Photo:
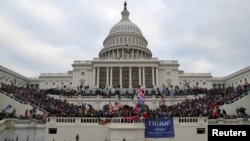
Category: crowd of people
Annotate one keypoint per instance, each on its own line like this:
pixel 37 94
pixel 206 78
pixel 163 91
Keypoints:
pixel 206 106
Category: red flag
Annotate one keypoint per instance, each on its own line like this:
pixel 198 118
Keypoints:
pixel 136 109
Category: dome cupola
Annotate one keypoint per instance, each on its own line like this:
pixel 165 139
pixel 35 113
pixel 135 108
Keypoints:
pixel 125 40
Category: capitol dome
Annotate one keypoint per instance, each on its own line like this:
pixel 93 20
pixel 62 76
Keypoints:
pixel 125 24
pixel 125 40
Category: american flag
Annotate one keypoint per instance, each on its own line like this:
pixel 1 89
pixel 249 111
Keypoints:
pixel 140 97
pixel 128 48
pixel 140 101
pixel 118 105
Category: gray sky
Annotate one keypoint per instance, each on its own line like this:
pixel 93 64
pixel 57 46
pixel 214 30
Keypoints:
pixel 46 36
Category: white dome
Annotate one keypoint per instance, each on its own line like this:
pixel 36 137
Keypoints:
pixel 125 24
pixel 122 34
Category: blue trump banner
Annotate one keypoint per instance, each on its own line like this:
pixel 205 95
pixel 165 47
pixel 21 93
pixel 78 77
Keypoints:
pixel 159 127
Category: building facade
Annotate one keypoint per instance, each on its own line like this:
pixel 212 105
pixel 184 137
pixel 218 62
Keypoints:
pixel 125 61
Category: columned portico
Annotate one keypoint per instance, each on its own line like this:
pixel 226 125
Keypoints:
pixel 119 67
pixel 125 61
pixel 125 42
pixel 125 77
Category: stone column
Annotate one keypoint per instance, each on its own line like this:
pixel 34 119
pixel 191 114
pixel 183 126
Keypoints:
pixel 123 53
pixel 121 77
pixel 107 76
pixel 130 78
pixel 94 77
pixel 143 77
pixel 97 83
pixel 153 77
pixel 111 77
pixel 132 53
pixel 157 77
pixel 140 76
pixel 116 54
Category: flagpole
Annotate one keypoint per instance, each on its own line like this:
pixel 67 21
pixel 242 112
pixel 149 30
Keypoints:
pixel 27 138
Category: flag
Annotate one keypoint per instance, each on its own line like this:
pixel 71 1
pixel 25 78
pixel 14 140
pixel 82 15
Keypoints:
pixel 128 48
pixel 47 97
pixel 118 105
pixel 172 95
pixel 140 97
pixel 140 92
pixel 140 101
pixel 85 106
pixel 186 84
pixel 111 109
pixel 7 107
pixel 135 109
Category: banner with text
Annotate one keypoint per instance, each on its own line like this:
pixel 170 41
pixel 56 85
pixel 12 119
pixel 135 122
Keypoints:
pixel 159 127
pixel 226 132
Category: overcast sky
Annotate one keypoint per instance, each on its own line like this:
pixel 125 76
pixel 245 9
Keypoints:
pixel 47 36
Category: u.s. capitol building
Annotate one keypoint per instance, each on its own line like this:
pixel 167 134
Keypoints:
pixel 124 62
